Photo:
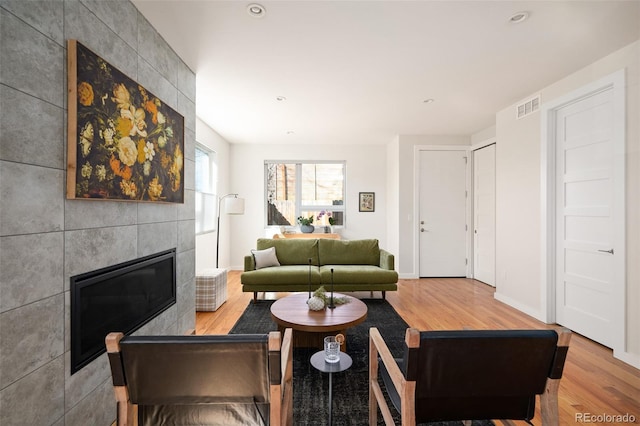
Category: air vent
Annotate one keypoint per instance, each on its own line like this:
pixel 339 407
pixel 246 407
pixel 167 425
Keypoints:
pixel 527 107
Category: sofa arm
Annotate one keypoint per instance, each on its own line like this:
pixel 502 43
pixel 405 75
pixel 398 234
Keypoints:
pixel 386 260
pixel 249 263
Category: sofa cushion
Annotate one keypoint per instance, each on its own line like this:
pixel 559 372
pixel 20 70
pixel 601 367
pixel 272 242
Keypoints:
pixel 265 258
pixel 356 274
pixel 292 251
pixel 349 252
pixel 288 274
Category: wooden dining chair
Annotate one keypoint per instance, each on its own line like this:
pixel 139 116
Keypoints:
pixel 468 375
pixel 203 380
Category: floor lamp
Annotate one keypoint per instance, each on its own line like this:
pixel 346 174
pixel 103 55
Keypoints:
pixel 233 205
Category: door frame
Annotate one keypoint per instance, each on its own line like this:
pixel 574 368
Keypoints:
pixel 615 82
pixel 416 203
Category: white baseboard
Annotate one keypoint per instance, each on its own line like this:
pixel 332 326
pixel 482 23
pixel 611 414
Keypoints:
pixel 519 306
pixel 627 357
pixel 406 276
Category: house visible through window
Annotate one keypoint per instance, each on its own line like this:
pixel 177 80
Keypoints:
pixel 307 189
pixel 206 189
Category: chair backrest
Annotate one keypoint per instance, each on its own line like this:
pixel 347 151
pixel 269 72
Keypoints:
pixel 186 379
pixel 476 374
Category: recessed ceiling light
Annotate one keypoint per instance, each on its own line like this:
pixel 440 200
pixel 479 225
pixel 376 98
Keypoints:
pixel 429 101
pixel 256 10
pixel 518 17
pixel 281 98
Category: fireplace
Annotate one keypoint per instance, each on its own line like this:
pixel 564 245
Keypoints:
pixel 122 297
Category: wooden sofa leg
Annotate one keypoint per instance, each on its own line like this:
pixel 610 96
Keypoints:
pixel 255 296
pixel 384 295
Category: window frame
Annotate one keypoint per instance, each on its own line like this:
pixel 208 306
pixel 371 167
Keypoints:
pixel 209 196
pixel 298 192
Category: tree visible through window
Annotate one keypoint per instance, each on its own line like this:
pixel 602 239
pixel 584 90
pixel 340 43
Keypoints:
pixel 305 189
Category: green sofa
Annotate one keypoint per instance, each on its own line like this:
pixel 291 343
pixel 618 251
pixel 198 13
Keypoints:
pixel 358 265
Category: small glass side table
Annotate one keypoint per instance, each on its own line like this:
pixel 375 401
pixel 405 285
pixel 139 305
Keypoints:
pixel 318 362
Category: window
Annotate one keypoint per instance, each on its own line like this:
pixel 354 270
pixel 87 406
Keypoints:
pixel 206 188
pixel 305 189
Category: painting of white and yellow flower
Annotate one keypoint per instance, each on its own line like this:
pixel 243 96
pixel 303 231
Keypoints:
pixel 124 143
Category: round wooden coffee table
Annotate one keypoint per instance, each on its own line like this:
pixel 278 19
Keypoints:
pixel 311 327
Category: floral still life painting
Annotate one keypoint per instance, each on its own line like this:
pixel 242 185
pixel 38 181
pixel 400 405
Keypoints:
pixel 124 143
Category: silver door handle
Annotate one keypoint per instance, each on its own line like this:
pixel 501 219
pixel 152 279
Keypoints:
pixel 610 251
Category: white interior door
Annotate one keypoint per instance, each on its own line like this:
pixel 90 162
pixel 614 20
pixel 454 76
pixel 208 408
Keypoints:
pixel 586 246
pixel 442 215
pixel 484 214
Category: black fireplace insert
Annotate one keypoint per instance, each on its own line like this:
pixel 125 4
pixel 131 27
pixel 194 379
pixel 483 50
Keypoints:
pixel 121 297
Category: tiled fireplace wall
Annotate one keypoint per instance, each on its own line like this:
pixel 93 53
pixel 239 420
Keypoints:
pixel 44 238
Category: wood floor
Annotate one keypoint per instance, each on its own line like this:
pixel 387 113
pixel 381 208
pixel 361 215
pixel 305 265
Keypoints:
pixel 594 383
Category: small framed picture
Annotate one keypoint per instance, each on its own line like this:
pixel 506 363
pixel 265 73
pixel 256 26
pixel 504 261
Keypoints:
pixel 367 201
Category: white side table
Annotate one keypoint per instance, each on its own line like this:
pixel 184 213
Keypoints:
pixel 211 289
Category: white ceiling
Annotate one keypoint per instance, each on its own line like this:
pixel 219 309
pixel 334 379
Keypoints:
pixel 357 72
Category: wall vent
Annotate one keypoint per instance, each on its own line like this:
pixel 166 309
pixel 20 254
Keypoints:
pixel 527 107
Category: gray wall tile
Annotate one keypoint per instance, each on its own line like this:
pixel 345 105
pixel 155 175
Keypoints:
pixel 46 126
pixel 124 23
pixel 32 268
pixel 157 212
pixel 187 108
pixel 37 399
pixel 189 174
pixel 186 265
pixel 158 85
pixel 31 199
pixel 187 210
pixel 189 144
pixel 83 214
pixel 156 237
pixel 186 297
pixel 85 381
pixel 186 235
pixel 99 408
pixel 153 48
pixel 186 82
pixel 186 322
pixel 90 249
pixel 30 337
pixel 82 25
pixel 162 324
pixel 31 62
pixel 44 16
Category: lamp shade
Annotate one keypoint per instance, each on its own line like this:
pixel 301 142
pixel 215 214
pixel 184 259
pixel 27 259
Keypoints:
pixel 234 205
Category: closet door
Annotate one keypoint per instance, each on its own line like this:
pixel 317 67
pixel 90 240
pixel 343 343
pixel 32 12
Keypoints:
pixel 484 214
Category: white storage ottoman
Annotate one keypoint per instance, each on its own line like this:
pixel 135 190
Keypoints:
pixel 211 289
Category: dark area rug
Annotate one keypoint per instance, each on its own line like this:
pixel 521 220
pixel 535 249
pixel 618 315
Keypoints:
pixel 350 388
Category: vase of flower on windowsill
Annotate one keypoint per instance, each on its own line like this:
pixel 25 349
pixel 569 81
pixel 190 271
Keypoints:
pixel 306 224
pixel 330 218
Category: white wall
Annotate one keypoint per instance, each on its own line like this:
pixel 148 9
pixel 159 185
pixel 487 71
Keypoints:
pixel 483 135
pixel 518 203
pixel 206 243
pixel 393 196
pixel 366 171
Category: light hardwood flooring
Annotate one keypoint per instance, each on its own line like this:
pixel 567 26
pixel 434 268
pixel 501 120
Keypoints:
pixel 594 383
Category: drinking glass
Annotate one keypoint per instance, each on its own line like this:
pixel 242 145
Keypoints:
pixel 331 349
